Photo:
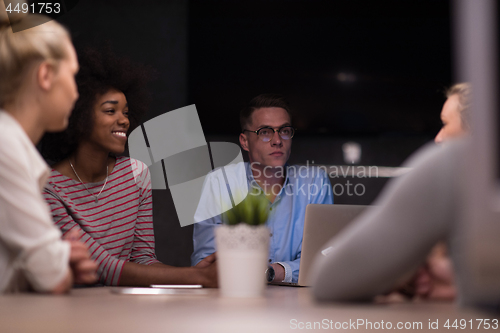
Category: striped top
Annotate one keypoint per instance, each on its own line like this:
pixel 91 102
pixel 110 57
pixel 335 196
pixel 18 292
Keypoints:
pixel 119 227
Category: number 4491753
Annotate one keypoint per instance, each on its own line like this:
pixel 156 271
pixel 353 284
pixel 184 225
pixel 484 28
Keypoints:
pixel 477 324
pixel 36 8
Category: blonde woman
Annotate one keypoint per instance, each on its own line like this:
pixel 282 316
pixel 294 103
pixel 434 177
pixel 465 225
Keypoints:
pixel 37 93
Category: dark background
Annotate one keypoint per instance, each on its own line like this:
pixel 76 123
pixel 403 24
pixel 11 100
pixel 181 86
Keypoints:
pixel 370 71
pixel 364 68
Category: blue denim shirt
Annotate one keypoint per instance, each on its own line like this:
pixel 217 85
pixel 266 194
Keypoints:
pixel 303 185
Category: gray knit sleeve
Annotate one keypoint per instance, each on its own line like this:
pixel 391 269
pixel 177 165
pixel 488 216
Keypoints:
pixel 393 237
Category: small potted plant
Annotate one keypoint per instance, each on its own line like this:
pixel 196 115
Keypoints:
pixel 243 246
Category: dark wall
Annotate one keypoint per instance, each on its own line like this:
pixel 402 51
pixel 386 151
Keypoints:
pixel 348 67
pixel 153 32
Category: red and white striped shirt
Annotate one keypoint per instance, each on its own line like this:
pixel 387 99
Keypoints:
pixel 119 227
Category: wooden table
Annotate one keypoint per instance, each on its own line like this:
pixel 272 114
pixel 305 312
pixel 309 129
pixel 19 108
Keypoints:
pixel 283 309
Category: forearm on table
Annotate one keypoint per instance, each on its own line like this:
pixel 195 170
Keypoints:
pixel 286 271
pixel 279 272
pixel 142 275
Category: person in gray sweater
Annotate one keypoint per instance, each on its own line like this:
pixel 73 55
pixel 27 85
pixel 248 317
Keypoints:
pixel 384 247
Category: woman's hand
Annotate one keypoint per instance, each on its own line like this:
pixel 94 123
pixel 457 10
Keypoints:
pixel 83 267
pixel 435 280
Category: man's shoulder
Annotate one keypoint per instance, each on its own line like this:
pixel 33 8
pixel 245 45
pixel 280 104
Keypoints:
pixel 232 172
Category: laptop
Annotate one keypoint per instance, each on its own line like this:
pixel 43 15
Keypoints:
pixel 321 223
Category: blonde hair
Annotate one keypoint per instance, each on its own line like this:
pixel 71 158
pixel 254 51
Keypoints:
pixel 463 90
pixel 41 40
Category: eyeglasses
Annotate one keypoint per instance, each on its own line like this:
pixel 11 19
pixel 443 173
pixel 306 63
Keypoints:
pixel 267 133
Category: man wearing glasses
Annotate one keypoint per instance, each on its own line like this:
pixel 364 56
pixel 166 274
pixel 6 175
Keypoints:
pixel 266 135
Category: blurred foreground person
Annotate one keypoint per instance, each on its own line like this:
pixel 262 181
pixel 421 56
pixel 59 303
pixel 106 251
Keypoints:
pixel 435 279
pixel 390 240
pixel 377 253
pixel 37 92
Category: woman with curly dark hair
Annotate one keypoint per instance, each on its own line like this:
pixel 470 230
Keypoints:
pixel 107 197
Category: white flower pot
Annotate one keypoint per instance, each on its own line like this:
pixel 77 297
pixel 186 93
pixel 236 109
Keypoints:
pixel 242 252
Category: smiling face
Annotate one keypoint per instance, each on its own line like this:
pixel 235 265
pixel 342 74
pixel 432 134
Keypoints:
pixel 452 122
pixel 111 122
pixel 274 153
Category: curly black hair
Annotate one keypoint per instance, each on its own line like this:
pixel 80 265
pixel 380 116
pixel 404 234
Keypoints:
pixel 100 71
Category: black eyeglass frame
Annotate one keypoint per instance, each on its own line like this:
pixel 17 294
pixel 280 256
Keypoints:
pixel 274 131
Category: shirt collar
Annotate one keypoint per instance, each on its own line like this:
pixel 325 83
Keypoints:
pixel 251 179
pixel 40 169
